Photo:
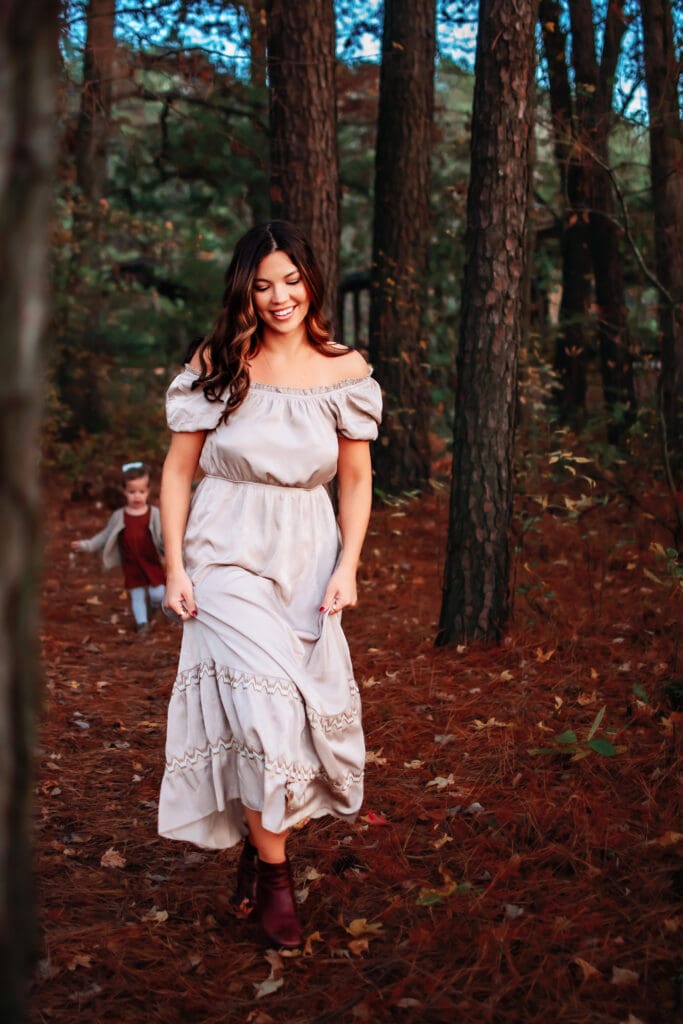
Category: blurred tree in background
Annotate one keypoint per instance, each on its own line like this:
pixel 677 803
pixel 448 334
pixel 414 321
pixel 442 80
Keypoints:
pixel 28 58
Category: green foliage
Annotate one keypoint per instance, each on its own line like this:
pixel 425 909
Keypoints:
pixel 140 276
pixel 567 742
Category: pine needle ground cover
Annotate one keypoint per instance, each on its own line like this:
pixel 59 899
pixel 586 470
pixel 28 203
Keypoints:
pixel 518 858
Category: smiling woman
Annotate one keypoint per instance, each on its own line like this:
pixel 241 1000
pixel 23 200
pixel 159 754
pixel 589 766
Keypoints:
pixel 280 295
pixel 264 728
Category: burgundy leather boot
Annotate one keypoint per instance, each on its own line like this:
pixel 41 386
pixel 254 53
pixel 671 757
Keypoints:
pixel 244 896
pixel 275 906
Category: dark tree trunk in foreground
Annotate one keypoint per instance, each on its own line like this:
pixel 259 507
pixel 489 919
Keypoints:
pixel 303 127
pixel 594 92
pixel 666 161
pixel 28 51
pixel 476 581
pixel 573 341
pixel 92 133
pixel 398 348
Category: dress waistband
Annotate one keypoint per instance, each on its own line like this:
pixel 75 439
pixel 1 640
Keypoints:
pixel 265 483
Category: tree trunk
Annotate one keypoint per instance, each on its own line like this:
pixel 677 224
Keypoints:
pixel 666 161
pixel 398 347
pixel 573 344
pixel 92 133
pixel 594 91
pixel 28 59
pixel 476 581
pixel 303 127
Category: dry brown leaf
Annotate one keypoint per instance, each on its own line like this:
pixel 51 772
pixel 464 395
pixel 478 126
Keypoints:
pixel 79 960
pixel 112 859
pixel 622 976
pixel 358 946
pixel 587 970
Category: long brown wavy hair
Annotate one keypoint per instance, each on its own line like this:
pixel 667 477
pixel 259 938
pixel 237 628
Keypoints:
pixel 225 353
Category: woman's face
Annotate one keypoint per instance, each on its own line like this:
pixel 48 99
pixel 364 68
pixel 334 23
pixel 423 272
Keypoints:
pixel 280 297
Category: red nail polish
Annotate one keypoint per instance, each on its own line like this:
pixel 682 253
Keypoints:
pixel 321 608
pixel 194 613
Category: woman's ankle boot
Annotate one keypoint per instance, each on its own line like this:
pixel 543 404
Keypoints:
pixel 275 906
pixel 244 895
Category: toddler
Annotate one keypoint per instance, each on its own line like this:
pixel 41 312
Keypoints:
pixel 132 539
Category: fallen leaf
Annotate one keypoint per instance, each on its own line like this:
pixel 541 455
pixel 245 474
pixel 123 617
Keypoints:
pixel 506 676
pixel 371 681
pixel 413 764
pixel 375 819
pixel 358 946
pixel 622 976
pixel 667 839
pixel 491 723
pixel 587 970
pixel 312 875
pixel 112 859
pixel 442 842
pixel 542 655
pixel 374 757
pixel 79 960
pixel 558 703
pixel 584 699
pixel 441 782
pixel 443 739
pixel 360 926
pixel 308 946
pixel 158 916
pixel 512 911
pixel 267 987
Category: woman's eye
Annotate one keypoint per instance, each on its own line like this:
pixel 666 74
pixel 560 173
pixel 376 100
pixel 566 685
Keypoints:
pixel 297 281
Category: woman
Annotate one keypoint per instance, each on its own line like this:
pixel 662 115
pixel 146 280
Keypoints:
pixel 264 727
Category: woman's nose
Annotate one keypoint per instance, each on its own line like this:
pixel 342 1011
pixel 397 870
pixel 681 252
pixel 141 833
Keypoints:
pixel 280 291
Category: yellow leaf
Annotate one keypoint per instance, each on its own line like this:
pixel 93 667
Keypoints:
pixel 308 946
pixel 360 926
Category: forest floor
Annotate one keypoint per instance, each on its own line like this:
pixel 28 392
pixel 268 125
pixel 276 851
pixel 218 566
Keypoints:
pixel 505 867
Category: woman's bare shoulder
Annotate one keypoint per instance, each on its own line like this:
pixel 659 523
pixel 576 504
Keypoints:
pixel 350 363
pixel 201 355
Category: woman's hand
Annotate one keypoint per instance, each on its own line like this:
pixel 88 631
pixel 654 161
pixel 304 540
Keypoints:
pixel 341 591
pixel 179 597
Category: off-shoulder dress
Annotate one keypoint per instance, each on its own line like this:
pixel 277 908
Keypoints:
pixel 264 711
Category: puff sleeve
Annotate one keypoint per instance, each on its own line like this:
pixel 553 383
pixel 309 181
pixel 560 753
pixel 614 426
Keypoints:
pixel 358 409
pixel 188 410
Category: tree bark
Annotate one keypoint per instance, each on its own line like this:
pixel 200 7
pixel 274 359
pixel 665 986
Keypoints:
pixel 92 132
pixel 398 347
pixel 28 59
pixel 303 128
pixel 476 581
pixel 594 91
pixel 666 161
pixel 573 342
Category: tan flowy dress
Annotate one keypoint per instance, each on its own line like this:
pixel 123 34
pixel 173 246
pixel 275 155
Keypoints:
pixel 264 711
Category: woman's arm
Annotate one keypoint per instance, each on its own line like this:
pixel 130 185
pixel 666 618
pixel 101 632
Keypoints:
pixel 176 486
pixel 354 487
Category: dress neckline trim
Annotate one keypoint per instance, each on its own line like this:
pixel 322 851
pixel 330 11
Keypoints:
pixel 320 389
